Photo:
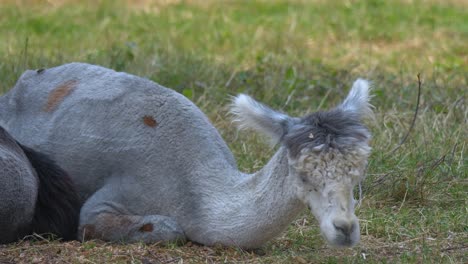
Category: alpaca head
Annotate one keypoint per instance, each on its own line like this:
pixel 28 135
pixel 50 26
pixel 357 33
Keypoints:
pixel 327 154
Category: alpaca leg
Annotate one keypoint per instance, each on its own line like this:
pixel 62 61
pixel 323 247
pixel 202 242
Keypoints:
pixel 103 217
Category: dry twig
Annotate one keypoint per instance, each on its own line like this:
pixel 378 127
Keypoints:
pixel 403 140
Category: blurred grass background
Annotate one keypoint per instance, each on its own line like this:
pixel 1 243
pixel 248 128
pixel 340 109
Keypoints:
pixel 298 57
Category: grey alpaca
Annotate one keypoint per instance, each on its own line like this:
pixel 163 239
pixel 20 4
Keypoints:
pixel 151 167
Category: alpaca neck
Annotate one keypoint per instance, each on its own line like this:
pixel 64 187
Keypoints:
pixel 257 207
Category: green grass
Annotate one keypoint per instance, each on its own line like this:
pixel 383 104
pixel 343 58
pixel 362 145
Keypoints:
pixel 297 56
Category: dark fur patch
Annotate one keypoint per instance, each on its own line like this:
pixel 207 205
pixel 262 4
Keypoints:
pixel 335 129
pixel 58 94
pixel 150 121
pixel 58 206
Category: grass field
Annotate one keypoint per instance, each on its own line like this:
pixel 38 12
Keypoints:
pixel 296 56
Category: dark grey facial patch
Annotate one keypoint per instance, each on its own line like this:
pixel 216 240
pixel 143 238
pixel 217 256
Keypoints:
pixel 333 129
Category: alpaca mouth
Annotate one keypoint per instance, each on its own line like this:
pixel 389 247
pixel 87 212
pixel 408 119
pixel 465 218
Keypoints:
pixel 339 238
pixel 344 241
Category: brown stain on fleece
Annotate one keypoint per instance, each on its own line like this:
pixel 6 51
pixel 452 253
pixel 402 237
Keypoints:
pixel 57 95
pixel 106 225
pixel 146 228
pixel 150 121
pixel 88 232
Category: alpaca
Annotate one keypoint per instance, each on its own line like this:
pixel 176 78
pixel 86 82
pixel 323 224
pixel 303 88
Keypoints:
pixel 149 166
pixel 36 195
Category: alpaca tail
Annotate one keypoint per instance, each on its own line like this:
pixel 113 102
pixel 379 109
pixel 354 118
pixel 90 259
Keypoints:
pixel 58 205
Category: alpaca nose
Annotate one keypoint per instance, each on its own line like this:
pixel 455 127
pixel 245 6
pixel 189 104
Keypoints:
pixel 344 226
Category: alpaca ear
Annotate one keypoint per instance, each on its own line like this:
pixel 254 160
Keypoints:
pixel 358 98
pixel 249 113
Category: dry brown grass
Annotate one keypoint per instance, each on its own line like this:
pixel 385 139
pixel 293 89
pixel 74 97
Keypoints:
pixel 372 248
